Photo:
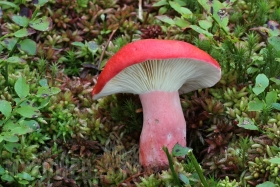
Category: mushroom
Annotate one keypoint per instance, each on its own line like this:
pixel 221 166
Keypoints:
pixel 158 70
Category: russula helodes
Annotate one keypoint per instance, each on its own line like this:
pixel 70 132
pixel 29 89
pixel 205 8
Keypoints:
pixel 158 70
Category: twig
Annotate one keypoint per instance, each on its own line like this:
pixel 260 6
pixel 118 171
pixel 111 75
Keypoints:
pixel 103 52
pixel 198 169
pixel 140 10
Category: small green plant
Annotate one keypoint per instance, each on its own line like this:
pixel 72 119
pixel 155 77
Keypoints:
pixel 72 59
pixel 24 25
pixel 149 181
pixel 82 3
pixel 266 101
pixel 87 49
pixel 244 144
pixel 20 117
pixel 22 178
pixel 216 21
pixel 228 183
pixel 275 160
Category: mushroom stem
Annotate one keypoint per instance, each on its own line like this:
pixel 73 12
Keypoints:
pixel 164 125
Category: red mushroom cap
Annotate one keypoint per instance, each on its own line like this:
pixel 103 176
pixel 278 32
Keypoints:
pixel 154 49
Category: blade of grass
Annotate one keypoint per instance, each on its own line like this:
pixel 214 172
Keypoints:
pixel 197 168
pixel 174 174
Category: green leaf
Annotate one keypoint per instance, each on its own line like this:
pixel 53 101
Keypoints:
pixel 247 123
pixel 9 43
pixel 276 106
pixel 20 20
pixel 22 129
pixel 181 2
pixel 21 88
pixel 7 177
pixel 201 31
pixel 28 111
pixel 44 103
pixel 2 170
pixel 41 24
pixel 249 127
pixel 5 108
pixel 274 41
pixel 43 82
pixel 256 105
pixel 24 32
pixel 25 176
pixel 266 184
pixel 24 182
pixel 83 3
pixel 181 22
pixel 165 19
pixel 274 160
pixel 31 124
pixel 160 3
pixel 204 24
pixel 9 4
pixel 184 178
pixel 275 31
pixel 271 97
pixel 1 48
pixel 181 10
pixel 178 150
pixel 10 124
pixel 275 80
pixel 162 10
pixel 261 84
pixel 12 138
pixel 205 4
pixel 28 46
pixel 79 44
pixel 252 70
pixel 12 147
pixel 15 59
pixel 9 137
pixel 47 91
pixel 105 31
pixel 220 14
pixel 92 46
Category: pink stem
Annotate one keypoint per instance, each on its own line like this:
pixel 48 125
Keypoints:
pixel 164 125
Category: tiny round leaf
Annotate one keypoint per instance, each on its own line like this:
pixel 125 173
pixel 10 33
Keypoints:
pixel 28 46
